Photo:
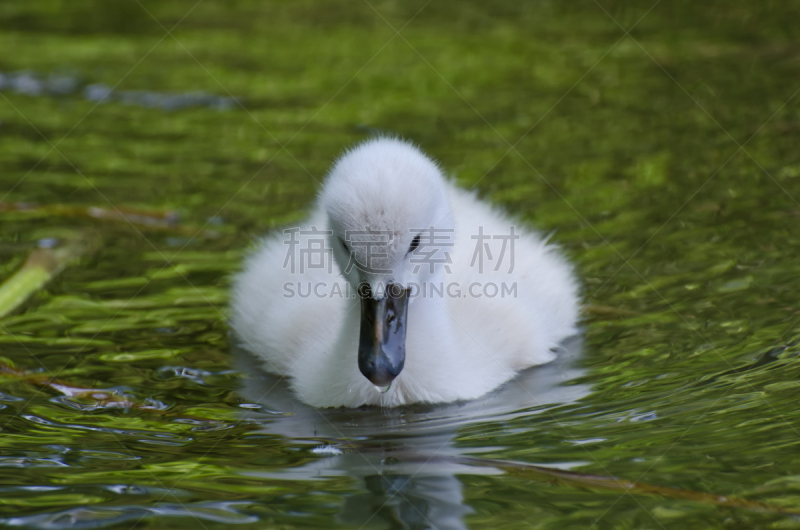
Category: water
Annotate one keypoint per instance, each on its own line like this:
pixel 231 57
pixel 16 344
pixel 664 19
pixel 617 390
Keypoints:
pixel 684 378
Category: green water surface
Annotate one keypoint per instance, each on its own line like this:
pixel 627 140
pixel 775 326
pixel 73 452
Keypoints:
pixel 659 140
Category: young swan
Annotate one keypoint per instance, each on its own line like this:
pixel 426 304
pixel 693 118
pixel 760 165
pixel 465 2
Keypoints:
pixel 401 288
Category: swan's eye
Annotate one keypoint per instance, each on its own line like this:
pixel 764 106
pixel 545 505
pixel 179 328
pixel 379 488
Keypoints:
pixel 344 246
pixel 414 244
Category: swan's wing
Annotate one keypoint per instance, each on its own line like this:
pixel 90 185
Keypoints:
pixel 527 302
pixel 289 297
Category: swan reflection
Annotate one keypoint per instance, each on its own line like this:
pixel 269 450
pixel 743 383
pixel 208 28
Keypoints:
pixel 405 461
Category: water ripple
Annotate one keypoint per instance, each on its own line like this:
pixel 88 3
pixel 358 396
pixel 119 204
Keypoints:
pixel 97 517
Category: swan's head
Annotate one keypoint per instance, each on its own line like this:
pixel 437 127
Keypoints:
pixel 392 231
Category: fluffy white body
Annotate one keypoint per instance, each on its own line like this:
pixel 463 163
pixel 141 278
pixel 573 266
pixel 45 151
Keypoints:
pixel 462 339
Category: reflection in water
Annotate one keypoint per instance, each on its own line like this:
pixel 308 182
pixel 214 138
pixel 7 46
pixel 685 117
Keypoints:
pixel 62 84
pixel 403 459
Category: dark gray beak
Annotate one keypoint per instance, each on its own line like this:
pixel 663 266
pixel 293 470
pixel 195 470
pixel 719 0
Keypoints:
pixel 382 342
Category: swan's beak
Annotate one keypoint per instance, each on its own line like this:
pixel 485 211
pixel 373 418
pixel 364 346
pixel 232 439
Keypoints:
pixel 382 343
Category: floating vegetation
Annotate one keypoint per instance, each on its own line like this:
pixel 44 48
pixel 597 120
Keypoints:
pixel 168 221
pixel 43 265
